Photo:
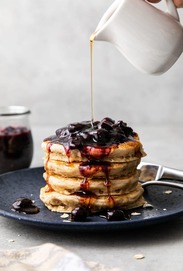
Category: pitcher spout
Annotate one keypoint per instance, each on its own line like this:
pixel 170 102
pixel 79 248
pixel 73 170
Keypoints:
pixel 104 27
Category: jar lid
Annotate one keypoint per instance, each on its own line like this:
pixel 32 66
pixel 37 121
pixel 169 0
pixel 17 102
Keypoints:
pixel 13 110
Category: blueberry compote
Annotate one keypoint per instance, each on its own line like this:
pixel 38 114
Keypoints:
pixel 25 205
pixel 101 134
pixel 81 214
pixel 16 148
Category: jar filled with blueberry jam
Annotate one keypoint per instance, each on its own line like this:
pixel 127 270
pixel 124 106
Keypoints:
pixel 16 143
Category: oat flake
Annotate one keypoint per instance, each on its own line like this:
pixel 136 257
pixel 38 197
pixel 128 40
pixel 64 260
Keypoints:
pixel 64 215
pixel 135 213
pixel 139 256
pixel 147 205
pixel 11 241
pixel 168 192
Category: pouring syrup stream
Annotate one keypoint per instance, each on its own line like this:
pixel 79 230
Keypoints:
pixel 91 76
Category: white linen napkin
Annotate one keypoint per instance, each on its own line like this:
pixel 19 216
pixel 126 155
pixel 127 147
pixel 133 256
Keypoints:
pixel 47 257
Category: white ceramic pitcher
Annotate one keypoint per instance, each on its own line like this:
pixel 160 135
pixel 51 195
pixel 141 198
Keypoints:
pixel 151 39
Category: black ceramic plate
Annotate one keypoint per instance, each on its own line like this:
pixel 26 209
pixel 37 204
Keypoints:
pixel 27 183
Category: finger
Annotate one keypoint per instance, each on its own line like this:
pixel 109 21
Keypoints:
pixel 154 1
pixel 178 3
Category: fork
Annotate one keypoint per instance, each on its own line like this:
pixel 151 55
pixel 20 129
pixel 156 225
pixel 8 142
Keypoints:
pixel 154 172
pixel 171 184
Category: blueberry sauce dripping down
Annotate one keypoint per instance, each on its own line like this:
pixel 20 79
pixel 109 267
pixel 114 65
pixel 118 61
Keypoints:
pixel 89 168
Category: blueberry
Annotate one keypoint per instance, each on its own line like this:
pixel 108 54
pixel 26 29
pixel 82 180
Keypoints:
pixel 121 126
pixel 119 137
pixel 63 132
pixel 94 136
pixel 115 215
pixel 75 127
pixel 128 131
pixel 79 214
pixel 107 123
pixel 121 123
pixel 76 141
pixel 25 202
pixel 87 137
pixel 96 124
pixel 78 126
pixel 103 135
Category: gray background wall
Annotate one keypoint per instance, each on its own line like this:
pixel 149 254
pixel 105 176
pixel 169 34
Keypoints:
pixel 45 65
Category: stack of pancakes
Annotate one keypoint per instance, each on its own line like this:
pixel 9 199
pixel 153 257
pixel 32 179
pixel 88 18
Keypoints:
pixel 92 165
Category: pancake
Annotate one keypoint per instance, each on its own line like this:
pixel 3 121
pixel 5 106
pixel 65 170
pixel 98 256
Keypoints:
pixel 67 186
pixel 90 169
pixel 92 165
pixel 124 152
pixel 66 203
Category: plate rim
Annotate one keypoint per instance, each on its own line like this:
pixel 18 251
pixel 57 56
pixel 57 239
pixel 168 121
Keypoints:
pixel 88 225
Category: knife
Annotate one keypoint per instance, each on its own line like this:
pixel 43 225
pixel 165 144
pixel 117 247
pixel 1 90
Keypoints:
pixel 154 172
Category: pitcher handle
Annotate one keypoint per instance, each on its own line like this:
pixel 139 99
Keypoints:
pixel 172 10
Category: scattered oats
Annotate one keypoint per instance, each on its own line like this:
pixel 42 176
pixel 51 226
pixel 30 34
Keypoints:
pixel 103 216
pixel 148 205
pixel 168 192
pixel 135 213
pixel 139 256
pixel 64 215
pixel 65 220
pixel 11 240
pixel 100 267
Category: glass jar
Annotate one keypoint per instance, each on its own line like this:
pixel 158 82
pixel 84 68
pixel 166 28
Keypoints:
pixel 16 143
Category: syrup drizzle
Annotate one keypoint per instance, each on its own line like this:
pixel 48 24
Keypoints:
pixel 85 184
pixel 88 170
pixel 103 152
pixel 91 76
pixel 49 188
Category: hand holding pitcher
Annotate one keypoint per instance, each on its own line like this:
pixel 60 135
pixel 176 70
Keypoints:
pixel 178 3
